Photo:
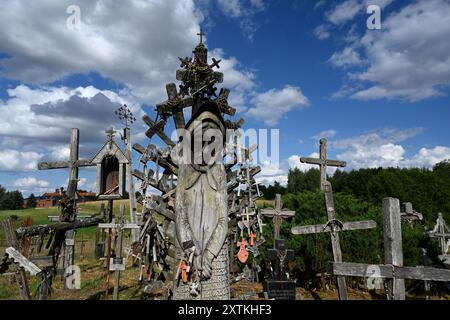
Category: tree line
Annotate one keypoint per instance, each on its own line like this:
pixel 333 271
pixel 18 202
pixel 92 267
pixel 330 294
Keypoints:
pixel 358 195
pixel 13 200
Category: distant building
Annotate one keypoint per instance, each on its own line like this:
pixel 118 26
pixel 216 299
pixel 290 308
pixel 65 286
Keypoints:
pixel 51 199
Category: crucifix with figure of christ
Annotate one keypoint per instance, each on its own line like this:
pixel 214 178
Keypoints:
pixel 333 226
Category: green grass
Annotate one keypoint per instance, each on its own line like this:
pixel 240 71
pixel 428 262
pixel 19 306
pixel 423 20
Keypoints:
pixel 40 215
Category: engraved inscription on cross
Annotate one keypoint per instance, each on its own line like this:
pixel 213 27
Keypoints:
pixel 278 215
pixel 323 162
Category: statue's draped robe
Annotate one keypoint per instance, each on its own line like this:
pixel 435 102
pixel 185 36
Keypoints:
pixel 201 216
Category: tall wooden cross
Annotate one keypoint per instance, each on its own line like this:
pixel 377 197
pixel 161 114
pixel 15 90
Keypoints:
pixel 392 268
pixel 334 226
pixel 323 162
pixel 118 261
pixel 278 215
pixel 73 164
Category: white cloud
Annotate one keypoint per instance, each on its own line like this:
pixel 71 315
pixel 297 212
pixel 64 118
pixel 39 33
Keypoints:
pixel 29 182
pixel 13 160
pixel 383 149
pixel 243 11
pixel 347 10
pixel 326 134
pixel 344 11
pixel 271 172
pixel 272 105
pixel 346 58
pixel 134 52
pixel 409 59
pixel 322 32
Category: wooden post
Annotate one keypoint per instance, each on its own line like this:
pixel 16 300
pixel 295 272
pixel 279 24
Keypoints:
pixel 131 192
pixel 20 275
pixel 335 239
pixel 119 251
pixel 393 253
pixel 69 244
pixel 108 249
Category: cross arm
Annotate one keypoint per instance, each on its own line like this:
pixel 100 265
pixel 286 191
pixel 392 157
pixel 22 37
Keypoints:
pixel 331 163
pixel 389 271
pixel 63 164
pixel 282 213
pixel 346 226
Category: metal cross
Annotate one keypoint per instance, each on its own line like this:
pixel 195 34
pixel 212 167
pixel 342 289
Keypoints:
pixel 125 115
pixel 323 162
pixel 201 34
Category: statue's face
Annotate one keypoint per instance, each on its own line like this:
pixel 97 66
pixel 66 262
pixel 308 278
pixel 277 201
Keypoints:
pixel 207 146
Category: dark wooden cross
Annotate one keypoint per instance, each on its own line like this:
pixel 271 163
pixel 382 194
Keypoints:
pixel 280 256
pixel 334 226
pixel 323 162
pixel 174 106
pixel 73 164
pixel 157 128
pixel 392 268
pixel 278 215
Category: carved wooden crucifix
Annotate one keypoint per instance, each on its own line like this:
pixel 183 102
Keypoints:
pixel 68 214
pixel 323 162
pixel 174 106
pixel 278 215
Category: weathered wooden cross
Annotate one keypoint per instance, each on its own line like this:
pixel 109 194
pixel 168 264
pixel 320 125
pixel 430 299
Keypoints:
pixel 118 261
pixel 73 164
pixel 323 162
pixel 333 226
pixel 393 267
pixel 278 215
pixel 442 232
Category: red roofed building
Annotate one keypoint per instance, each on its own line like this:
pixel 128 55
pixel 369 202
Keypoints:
pixel 51 199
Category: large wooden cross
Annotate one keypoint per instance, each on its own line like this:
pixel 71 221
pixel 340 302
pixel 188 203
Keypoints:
pixel 323 162
pixel 72 164
pixel 278 215
pixel 118 261
pixel 392 268
pixel 334 226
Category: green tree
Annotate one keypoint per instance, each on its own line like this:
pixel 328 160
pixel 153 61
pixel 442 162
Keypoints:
pixel 32 201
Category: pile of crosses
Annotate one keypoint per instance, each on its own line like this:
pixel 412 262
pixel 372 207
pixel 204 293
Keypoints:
pixel 155 248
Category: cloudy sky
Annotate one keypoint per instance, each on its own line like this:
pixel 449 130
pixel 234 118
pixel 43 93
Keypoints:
pixel 309 68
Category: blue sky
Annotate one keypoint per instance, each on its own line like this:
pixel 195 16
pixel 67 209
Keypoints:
pixel 311 69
